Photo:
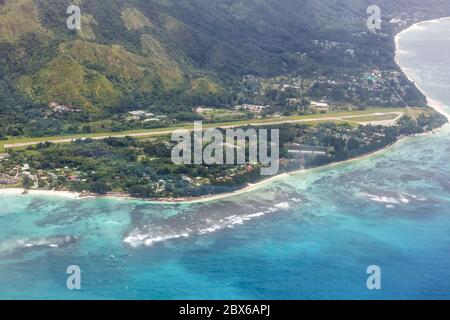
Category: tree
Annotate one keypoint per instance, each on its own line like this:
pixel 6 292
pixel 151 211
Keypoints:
pixel 100 187
pixel 27 182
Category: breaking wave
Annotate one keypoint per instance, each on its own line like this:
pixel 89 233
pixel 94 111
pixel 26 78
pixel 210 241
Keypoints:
pixel 185 226
pixel 393 199
pixel 11 246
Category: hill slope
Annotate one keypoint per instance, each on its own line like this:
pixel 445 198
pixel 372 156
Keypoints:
pixel 166 53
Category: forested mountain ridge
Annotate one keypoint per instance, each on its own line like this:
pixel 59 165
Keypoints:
pixel 172 55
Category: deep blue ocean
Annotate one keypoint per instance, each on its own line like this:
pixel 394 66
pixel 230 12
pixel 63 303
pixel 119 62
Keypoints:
pixel 307 236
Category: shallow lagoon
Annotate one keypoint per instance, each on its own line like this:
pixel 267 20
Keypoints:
pixel 311 235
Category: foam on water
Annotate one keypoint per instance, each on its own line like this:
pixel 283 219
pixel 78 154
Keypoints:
pixel 148 234
pixel 309 236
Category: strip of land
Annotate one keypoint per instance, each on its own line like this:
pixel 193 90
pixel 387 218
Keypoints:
pixel 17 191
pixel 384 117
pixel 380 116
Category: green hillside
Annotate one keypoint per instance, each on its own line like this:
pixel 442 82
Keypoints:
pixel 172 55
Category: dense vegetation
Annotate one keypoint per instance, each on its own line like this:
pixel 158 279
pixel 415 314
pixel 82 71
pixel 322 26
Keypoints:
pixel 144 168
pixel 168 56
pixel 163 59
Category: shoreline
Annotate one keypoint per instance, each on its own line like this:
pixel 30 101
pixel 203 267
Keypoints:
pixel 202 199
pixel 436 105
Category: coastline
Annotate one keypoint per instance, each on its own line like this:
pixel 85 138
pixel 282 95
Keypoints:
pixel 208 198
pixel 22 192
pixel 437 105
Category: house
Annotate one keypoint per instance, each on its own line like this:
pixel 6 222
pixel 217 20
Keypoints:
pixel 7 180
pixel 201 110
pixel 320 105
pixel 59 108
pixel 294 101
pixel 251 108
pixel 297 151
pixel 140 115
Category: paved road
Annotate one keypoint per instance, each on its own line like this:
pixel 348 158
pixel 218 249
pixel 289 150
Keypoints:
pixel 167 132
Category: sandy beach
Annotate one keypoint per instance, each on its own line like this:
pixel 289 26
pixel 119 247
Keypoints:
pixel 437 105
pixel 208 198
pixel 52 193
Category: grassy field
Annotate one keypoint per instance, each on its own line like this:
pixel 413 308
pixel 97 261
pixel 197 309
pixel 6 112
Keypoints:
pixel 337 117
pixel 11 186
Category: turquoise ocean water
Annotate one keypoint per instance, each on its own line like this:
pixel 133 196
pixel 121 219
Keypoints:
pixel 307 236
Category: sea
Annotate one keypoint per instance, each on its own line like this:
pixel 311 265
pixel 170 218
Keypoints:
pixel 306 236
